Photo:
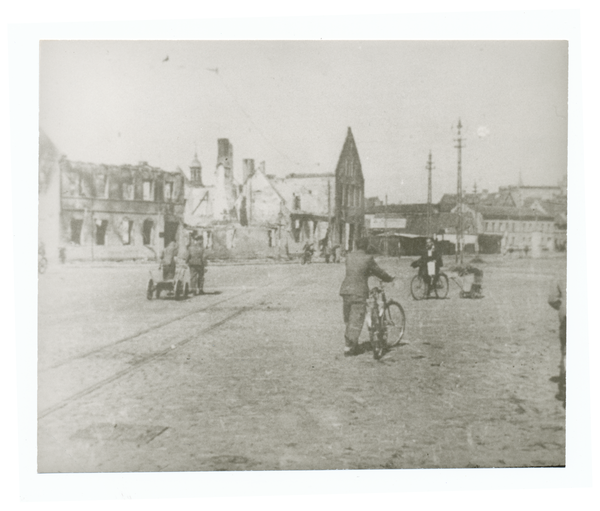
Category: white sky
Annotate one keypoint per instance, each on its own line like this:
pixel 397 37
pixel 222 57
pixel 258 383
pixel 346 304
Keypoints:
pixel 290 104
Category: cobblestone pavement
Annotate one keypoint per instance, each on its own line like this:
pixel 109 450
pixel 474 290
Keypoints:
pixel 251 376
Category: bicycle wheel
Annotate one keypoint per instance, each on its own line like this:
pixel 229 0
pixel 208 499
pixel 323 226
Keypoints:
pixel 418 288
pixel 378 342
pixel 441 286
pixel 394 323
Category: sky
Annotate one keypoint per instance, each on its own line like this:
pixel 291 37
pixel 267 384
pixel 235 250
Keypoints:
pixel 290 103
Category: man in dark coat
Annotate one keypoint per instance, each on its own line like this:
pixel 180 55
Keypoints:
pixel 196 260
pixel 167 261
pixel 429 264
pixel 355 291
pixel 557 299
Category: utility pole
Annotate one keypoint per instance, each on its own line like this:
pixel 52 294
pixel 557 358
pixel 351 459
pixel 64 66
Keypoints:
pixel 385 239
pixel 459 198
pixel 429 168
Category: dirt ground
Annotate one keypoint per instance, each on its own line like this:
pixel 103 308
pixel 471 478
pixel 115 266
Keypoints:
pixel 251 376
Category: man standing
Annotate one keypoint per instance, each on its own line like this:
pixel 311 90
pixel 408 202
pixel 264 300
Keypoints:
pixel 355 291
pixel 196 260
pixel 557 299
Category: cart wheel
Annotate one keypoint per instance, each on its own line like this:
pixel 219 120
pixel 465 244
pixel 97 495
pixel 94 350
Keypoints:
pixel 150 289
pixel 186 291
pixel 178 290
pixel 158 290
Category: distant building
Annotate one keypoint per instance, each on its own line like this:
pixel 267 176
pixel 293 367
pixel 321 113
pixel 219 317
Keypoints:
pixel 400 229
pixel 349 211
pixel 310 200
pixel 107 211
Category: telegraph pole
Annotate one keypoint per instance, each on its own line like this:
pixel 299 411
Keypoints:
pixel 385 233
pixel 459 198
pixel 429 168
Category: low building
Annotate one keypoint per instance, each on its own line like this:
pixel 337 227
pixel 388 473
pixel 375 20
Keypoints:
pixel 517 229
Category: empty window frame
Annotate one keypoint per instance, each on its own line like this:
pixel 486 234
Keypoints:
pixel 147 228
pixel 101 226
pixel 76 226
pixel 169 191
pixel 147 190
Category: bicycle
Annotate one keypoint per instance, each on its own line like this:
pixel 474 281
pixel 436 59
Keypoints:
pixel 386 321
pixel 421 286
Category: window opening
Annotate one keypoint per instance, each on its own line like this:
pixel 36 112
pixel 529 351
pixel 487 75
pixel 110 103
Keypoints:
pixel 76 226
pixel 147 231
pixel 101 226
pixel 146 187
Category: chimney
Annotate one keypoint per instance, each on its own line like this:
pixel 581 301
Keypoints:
pixel 225 156
pixel 248 169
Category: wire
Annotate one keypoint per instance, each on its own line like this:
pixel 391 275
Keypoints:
pixel 269 141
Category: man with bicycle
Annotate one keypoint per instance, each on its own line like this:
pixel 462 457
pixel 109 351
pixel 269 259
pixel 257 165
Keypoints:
pixel 355 291
pixel 429 264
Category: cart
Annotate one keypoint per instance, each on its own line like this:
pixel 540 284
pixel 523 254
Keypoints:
pixel 178 287
pixel 470 281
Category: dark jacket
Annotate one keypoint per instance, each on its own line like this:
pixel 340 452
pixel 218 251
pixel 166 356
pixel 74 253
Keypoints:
pixel 196 256
pixel 557 298
pixel 359 267
pixel 425 258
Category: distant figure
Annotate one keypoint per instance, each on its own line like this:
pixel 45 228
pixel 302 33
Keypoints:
pixel 167 261
pixel 327 252
pixel 337 253
pixel 307 252
pixel 355 291
pixel 526 250
pixel 557 298
pixel 196 260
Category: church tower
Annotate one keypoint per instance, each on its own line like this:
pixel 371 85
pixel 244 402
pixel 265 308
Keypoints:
pixel 196 172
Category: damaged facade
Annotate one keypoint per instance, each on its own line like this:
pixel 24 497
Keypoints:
pixel 107 211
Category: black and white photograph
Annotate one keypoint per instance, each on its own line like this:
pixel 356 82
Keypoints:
pixel 300 260
pixel 302 255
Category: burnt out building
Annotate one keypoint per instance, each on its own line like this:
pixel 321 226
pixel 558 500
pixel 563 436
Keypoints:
pixel 94 211
pixel 349 214
pixel 119 211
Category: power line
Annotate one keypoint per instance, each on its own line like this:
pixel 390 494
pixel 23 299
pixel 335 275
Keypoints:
pixel 260 132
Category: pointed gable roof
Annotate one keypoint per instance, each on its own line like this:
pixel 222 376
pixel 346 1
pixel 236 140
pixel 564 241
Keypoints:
pixel 349 167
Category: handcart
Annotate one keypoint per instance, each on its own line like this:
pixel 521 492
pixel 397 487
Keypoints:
pixel 470 281
pixel 178 287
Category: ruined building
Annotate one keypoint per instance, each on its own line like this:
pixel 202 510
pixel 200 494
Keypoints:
pixel 310 199
pixel 210 201
pixel 94 211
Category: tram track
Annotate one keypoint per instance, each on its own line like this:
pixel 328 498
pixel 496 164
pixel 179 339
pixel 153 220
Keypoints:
pixel 145 331
pixel 142 361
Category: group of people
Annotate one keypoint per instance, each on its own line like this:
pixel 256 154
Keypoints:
pixel 329 253
pixel 193 256
pixel 360 265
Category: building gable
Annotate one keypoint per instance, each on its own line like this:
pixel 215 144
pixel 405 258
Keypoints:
pixel 349 168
